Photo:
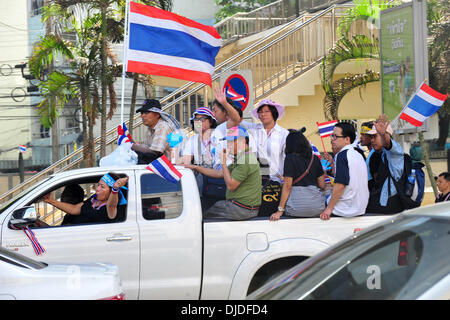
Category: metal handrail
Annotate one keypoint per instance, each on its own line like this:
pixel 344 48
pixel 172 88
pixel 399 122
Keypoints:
pixel 266 79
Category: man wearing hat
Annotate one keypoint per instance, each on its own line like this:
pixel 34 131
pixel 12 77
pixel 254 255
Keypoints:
pixel 388 155
pixel 366 141
pixel 155 142
pixel 242 179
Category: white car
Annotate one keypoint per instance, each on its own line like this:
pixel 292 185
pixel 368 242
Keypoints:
pixel 404 258
pixel 22 278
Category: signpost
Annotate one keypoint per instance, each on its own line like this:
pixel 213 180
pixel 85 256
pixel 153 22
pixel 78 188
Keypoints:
pixel 403 56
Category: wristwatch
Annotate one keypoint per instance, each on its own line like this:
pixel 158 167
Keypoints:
pixel 281 209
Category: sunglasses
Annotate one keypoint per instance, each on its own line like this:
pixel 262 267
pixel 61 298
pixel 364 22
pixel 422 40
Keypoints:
pixel 335 136
pixel 202 119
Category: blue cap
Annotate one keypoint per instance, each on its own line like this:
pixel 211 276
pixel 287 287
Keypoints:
pixel 234 133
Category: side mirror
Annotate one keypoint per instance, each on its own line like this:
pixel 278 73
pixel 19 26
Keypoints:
pixel 23 217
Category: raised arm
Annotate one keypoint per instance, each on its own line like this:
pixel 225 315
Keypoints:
pixel 113 199
pixel 73 209
pixel 233 116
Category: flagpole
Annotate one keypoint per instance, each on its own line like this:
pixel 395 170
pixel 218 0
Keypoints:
pixel 321 138
pixel 124 59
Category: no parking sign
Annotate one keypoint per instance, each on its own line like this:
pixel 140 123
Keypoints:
pixel 238 86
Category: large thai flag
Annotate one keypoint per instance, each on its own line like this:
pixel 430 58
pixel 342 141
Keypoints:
pixel 163 43
pixel 165 169
pixel 326 128
pixel 425 102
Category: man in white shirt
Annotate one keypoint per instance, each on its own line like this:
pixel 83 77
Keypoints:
pixel 350 193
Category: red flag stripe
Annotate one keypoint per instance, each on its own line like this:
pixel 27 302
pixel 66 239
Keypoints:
pixel 166 15
pixel 411 120
pixel 433 92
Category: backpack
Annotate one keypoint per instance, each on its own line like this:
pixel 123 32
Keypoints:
pixel 411 185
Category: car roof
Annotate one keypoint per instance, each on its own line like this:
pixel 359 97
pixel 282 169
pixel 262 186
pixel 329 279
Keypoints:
pixel 439 209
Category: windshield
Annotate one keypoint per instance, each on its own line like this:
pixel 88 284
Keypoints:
pixel 399 260
pixel 19 260
pixel 16 198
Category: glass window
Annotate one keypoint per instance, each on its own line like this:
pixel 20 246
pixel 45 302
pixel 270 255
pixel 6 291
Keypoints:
pixel 74 192
pixel 400 260
pixel 161 199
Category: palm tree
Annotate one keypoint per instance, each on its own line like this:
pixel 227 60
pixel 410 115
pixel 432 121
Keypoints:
pixel 359 47
pixel 81 81
pixel 354 48
pixel 439 60
pixel 90 68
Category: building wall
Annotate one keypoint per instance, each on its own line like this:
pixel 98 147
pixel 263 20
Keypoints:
pixel 16 118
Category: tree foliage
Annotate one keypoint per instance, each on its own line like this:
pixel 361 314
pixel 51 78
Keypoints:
pixel 231 7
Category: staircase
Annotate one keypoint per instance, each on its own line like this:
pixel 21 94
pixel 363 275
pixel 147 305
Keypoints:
pixel 276 59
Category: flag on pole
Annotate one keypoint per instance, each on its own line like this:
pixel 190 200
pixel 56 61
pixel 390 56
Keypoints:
pixel 425 102
pixel 22 148
pixel 326 128
pixel 123 134
pixel 315 151
pixel 165 169
pixel 163 43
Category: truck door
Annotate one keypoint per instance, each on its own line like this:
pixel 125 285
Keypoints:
pixel 116 243
pixel 170 219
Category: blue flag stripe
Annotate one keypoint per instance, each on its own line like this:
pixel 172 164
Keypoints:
pixel 163 171
pixel 423 107
pixel 170 42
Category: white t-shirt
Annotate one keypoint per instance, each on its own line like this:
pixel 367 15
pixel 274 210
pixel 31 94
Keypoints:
pixel 351 171
pixel 271 147
pixel 205 156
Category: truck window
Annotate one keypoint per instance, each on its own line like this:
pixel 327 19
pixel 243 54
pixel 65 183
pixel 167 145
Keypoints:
pixel 74 191
pixel 161 199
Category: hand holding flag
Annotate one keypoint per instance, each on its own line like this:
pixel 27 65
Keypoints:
pixel 123 134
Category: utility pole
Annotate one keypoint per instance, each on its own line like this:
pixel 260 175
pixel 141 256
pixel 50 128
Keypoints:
pixel 55 127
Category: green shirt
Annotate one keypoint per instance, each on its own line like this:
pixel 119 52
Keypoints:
pixel 246 171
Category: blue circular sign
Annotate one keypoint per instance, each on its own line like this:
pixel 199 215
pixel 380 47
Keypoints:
pixel 236 88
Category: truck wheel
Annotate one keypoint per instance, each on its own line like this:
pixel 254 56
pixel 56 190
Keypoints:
pixel 271 270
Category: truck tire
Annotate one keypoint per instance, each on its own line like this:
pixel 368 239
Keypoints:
pixel 271 270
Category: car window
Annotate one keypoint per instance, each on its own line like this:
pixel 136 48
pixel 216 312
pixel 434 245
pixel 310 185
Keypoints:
pixel 16 198
pixel 399 261
pixel 72 191
pixel 52 216
pixel 160 198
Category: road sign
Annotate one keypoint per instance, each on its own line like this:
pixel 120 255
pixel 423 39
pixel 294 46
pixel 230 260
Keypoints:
pixel 238 86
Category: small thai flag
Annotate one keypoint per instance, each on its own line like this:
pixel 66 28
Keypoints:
pixel 165 169
pixel 22 148
pixel 315 151
pixel 166 44
pixel 425 102
pixel 123 134
pixel 326 128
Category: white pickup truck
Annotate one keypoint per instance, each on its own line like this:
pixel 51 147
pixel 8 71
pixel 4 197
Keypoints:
pixel 163 247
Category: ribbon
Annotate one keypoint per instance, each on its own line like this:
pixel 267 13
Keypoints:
pixel 110 182
pixel 38 249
